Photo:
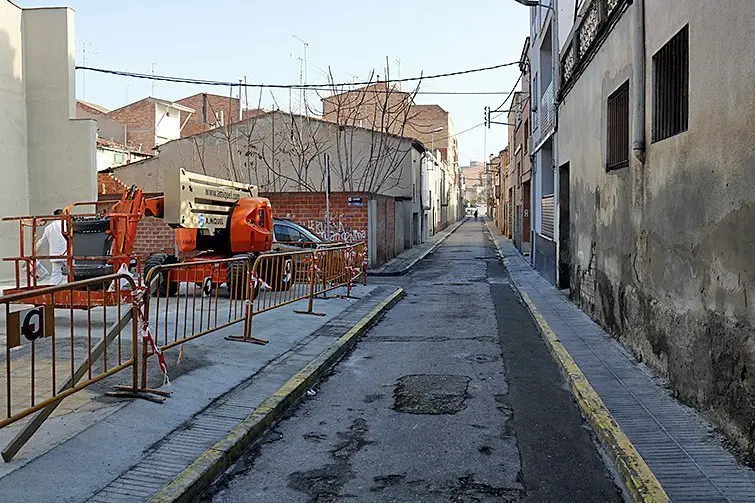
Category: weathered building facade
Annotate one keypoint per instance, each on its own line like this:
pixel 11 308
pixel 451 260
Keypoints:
pixel 656 130
pixel 520 169
pixel 543 90
pixel 150 122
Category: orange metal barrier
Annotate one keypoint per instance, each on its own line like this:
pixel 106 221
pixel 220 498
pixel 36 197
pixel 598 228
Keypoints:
pixel 56 347
pixel 53 352
pixel 192 299
pixel 280 279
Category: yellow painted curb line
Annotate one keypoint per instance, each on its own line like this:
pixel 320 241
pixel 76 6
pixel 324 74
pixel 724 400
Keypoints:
pixel 200 474
pixel 637 476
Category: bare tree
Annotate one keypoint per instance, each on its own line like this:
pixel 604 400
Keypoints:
pixel 364 130
pixel 385 111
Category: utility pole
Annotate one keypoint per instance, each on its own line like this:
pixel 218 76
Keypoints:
pixel 246 96
pixel 240 114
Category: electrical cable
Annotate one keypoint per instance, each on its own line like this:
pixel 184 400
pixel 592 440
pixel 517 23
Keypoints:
pixel 390 91
pixel 508 96
pixel 183 80
pixel 500 113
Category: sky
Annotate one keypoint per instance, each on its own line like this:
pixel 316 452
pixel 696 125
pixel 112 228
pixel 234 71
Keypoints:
pixel 228 40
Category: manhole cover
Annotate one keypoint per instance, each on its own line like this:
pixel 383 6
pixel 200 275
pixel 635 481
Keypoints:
pixel 431 394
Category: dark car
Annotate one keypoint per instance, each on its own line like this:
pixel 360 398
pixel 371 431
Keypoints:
pixel 290 236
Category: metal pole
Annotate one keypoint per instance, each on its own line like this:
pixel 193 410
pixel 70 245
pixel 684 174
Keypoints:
pixel 327 196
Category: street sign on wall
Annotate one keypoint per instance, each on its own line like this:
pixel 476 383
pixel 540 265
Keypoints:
pixel 355 202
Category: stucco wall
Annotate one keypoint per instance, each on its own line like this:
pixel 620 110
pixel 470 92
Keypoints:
pixel 13 200
pixel 663 254
pixel 251 148
pixel 61 151
pixel 47 159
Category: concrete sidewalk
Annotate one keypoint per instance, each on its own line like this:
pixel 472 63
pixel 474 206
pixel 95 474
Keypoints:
pixel 684 453
pixel 408 259
pixel 130 450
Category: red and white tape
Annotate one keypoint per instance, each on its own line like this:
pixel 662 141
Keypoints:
pixel 146 333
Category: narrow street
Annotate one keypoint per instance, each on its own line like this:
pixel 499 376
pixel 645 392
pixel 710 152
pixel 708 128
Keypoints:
pixel 451 397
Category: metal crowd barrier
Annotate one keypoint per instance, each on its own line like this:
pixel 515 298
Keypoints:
pixel 193 299
pixel 52 352
pixel 177 303
pixel 283 278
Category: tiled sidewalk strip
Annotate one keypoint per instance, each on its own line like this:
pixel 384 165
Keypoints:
pixel 676 444
pixel 408 259
pixel 186 462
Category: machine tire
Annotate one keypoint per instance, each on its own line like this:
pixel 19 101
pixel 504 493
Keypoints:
pixel 164 288
pixel 235 280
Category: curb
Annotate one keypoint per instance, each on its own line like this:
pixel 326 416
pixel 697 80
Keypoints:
pixel 199 475
pixel 406 269
pixel 637 476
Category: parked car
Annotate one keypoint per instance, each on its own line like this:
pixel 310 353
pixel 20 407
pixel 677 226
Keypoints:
pixel 290 236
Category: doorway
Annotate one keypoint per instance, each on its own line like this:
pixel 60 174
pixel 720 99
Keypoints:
pixel 526 201
pixel 564 259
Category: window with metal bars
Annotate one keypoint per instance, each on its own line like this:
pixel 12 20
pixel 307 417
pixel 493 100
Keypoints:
pixel 671 87
pixel 618 129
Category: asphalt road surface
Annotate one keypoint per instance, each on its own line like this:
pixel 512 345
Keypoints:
pixel 452 397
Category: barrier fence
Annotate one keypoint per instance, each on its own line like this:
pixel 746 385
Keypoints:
pixel 176 304
pixel 52 353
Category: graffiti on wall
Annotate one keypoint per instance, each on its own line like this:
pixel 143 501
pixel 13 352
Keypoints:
pixel 339 231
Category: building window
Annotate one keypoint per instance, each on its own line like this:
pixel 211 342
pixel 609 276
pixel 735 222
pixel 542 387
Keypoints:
pixel 671 87
pixel 618 128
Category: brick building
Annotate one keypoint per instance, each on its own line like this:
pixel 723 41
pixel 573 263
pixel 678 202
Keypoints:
pixel 151 122
pixel 213 110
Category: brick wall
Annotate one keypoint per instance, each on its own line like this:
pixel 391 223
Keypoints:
pixel 109 185
pixel 199 122
pixel 139 118
pixel 347 223
pixel 83 110
pixel 153 236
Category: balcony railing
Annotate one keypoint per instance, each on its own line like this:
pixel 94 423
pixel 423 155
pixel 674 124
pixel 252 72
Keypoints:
pixel 596 20
pixel 547 110
pixel 544 118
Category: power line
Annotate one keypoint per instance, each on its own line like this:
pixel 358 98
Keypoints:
pixel 389 91
pixel 501 112
pixel 508 96
pixel 184 80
